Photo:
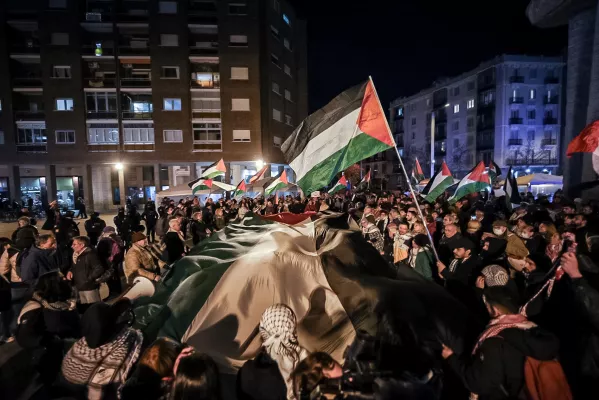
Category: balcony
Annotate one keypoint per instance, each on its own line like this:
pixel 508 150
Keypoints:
pixel 99 82
pixel 485 142
pixel 549 142
pixel 136 115
pixel 202 12
pixel 136 83
pixel 203 48
pixel 28 115
pixel 516 79
pixel 28 82
pixel 515 121
pixel 551 80
pixel 531 161
pixel 135 50
pixel 514 142
pixel 134 11
pixel 549 121
pixel 32 148
pixel 516 100
pixel 551 100
pixel 92 50
pixel 102 114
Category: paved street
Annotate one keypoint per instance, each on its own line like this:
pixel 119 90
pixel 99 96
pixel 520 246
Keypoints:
pixel 6 229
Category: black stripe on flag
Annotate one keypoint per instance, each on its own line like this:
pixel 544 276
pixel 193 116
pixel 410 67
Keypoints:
pixel 321 120
pixel 512 196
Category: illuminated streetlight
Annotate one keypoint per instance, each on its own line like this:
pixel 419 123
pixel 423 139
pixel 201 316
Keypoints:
pixel 259 164
pixel 118 166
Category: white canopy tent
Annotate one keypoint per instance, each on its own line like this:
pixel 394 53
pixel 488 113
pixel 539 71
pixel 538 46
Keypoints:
pixel 181 191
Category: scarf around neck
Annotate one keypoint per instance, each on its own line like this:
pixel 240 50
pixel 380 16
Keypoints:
pixel 502 322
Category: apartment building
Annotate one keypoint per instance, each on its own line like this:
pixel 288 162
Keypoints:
pixel 117 99
pixel 508 110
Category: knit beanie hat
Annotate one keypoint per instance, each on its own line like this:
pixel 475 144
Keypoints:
pixel 495 275
pixel 421 240
pixel 137 236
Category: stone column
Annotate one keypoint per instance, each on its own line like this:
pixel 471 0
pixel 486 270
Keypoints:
pixel 236 174
pixel 14 182
pixel 157 182
pixel 88 188
pixel 51 182
pixel 193 173
pixel 172 179
pixel 123 194
pixel 581 32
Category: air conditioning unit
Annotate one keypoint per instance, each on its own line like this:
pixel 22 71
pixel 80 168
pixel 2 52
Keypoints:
pixel 93 16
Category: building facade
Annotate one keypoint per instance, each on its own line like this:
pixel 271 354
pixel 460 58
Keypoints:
pixel 160 89
pixel 508 110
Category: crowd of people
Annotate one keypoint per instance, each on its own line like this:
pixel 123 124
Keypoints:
pixel 60 295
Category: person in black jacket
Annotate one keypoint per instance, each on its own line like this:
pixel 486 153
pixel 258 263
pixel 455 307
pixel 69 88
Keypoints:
pixel 174 242
pixel 464 265
pixel 496 369
pixel 198 228
pixel 25 233
pixel 150 216
pixel 41 259
pixel 85 272
pixel 94 227
pixel 451 234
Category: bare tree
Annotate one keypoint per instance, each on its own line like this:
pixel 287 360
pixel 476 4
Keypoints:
pixel 459 158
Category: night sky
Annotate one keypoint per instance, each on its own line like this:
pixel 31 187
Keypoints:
pixel 407 44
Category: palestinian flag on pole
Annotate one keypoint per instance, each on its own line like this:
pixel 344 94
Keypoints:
pixel 440 182
pixel 417 173
pixel 340 185
pixel 365 179
pixel 240 189
pixel 216 169
pixel 200 184
pixel 587 142
pixel 494 171
pixel 279 183
pixel 512 197
pixel 350 128
pixel 259 175
pixel 475 181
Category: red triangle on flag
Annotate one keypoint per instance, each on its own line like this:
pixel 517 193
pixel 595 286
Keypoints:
pixel 259 175
pixel 241 185
pixel 478 173
pixel 208 182
pixel 586 142
pixel 366 177
pixel 283 177
pixel 372 120
pixel 221 166
pixel 444 169
pixel 343 181
pixel 419 168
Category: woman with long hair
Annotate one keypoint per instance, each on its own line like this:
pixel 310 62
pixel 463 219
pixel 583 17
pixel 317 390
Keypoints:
pixel 196 377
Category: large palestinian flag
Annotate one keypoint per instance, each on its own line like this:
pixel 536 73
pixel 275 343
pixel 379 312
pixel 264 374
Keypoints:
pixel 214 170
pixel 475 181
pixel 319 266
pixel 340 185
pixel 278 183
pixel 438 184
pixel 587 142
pixel 350 128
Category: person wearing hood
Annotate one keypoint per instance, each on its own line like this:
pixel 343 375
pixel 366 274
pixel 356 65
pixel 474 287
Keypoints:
pixel 496 368
pixel 94 226
pixel 421 257
pixel 99 363
pixel 268 376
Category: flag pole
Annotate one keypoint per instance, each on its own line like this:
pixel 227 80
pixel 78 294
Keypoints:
pixel 428 233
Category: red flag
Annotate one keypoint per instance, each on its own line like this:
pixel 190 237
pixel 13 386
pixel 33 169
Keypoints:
pixel 366 178
pixel 586 142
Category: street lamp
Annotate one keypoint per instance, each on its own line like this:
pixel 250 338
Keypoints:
pixel 118 166
pixel 433 140
pixel 259 164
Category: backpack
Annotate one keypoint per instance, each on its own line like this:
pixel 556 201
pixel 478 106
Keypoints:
pixel 545 380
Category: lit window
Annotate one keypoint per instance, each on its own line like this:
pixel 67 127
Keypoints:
pixel 240 104
pixel 275 88
pixel 400 112
pixel 172 104
pixel 241 135
pixel 286 19
pixel 102 134
pixel 456 108
pixel 138 134
pixel 65 137
pixel 240 73
pixel 169 73
pixel 470 104
pixel 173 136
pixel 169 40
pixel 64 104
pixel 276 115
pixel 533 94
pixel 61 72
pixel 238 41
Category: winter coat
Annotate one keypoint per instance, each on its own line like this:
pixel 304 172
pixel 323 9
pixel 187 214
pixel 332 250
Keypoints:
pixel 464 271
pixel 140 261
pixel 151 217
pixel 175 247
pixel 50 219
pixel 38 262
pixel 8 264
pixel 516 247
pixel 374 237
pixel 219 223
pixel 496 371
pixel 198 231
pixel 94 226
pixel 260 379
pixel 445 248
pixel 162 225
pixel 86 270
pixel 424 264
pixel 65 231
